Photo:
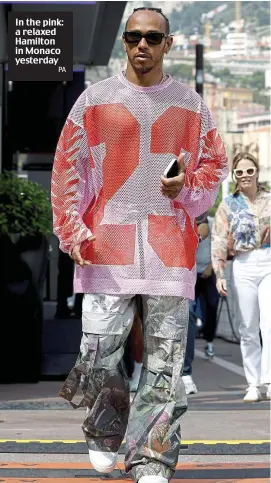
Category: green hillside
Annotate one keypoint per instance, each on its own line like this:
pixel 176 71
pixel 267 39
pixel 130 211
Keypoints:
pixel 188 20
pixel 256 14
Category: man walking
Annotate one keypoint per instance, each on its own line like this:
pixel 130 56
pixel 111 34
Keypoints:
pixel 206 290
pixel 132 232
pixel 190 386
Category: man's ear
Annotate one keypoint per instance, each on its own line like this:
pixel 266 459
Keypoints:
pixel 168 44
pixel 124 44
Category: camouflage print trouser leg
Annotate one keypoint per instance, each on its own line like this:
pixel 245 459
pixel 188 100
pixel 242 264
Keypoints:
pixel 153 433
pixel 99 379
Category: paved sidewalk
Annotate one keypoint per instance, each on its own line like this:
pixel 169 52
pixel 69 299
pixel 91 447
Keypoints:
pixel 224 440
pixel 216 413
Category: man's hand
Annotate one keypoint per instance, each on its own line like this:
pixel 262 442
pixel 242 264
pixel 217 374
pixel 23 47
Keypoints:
pixel 171 187
pixel 77 257
pixel 221 286
pixel 203 230
pixel 208 271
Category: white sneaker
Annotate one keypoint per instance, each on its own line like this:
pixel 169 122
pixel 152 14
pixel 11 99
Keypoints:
pixel 209 350
pixel 190 386
pixel 253 394
pixel 102 461
pixel 268 392
pixel 152 479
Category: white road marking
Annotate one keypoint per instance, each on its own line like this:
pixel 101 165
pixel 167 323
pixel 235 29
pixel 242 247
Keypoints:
pixel 222 363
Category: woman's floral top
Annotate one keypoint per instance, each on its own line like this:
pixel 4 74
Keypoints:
pixel 240 225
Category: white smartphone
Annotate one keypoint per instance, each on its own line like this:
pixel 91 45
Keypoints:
pixel 172 169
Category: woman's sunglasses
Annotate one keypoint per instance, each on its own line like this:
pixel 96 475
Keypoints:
pixel 152 38
pixel 239 173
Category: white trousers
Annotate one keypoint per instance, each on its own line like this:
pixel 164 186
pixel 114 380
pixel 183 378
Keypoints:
pixel 252 283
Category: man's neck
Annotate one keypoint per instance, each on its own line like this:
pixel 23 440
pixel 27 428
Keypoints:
pixel 153 78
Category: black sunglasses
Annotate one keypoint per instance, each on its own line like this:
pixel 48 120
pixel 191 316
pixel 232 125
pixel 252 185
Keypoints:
pixel 152 38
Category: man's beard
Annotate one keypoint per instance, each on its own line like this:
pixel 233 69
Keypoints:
pixel 144 70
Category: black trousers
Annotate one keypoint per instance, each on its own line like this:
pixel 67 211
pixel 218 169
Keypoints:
pixel 128 359
pixel 64 280
pixel 65 286
pixel 209 298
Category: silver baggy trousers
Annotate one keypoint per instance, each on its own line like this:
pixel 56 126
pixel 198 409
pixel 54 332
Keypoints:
pixel 98 380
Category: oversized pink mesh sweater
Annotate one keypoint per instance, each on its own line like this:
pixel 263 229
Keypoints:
pixel 116 143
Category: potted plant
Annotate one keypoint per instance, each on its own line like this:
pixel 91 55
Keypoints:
pixel 25 223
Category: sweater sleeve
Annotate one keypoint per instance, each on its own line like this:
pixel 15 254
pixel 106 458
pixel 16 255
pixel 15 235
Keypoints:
pixel 71 185
pixel 202 182
pixel 220 237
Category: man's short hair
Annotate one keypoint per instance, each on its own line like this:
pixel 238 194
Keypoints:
pixel 158 10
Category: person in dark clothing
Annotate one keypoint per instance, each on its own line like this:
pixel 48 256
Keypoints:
pixel 206 290
pixel 133 350
pixel 65 289
pixel 190 386
pixel 64 285
pixel 209 298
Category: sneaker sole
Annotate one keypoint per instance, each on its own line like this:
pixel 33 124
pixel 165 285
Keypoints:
pixel 191 392
pixel 102 469
pixel 251 400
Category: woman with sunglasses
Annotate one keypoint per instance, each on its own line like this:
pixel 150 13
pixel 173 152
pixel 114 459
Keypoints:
pixel 242 227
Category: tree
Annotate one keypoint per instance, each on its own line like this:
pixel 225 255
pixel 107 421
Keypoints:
pixel 257 80
pixel 261 99
pixel 181 71
pixel 208 67
pixel 118 51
